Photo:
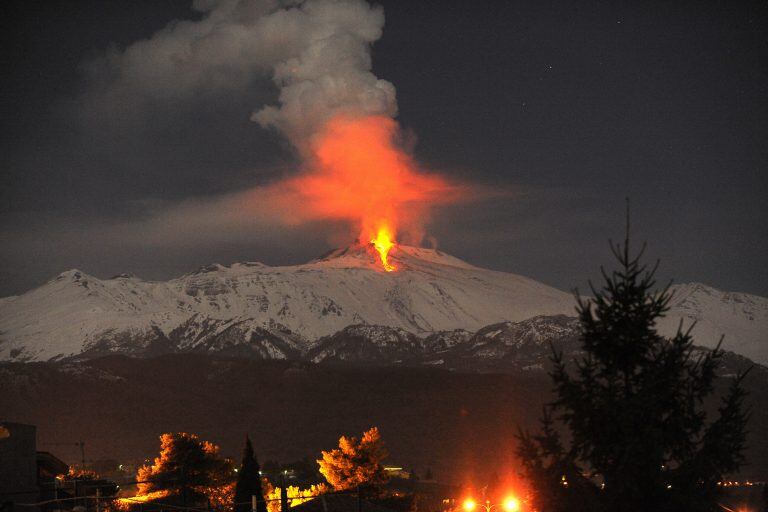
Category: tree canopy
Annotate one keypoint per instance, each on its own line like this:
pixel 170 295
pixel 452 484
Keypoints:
pixel 188 470
pixel 638 437
pixel 355 462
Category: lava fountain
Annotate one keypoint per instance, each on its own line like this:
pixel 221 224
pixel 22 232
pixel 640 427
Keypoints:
pixel 383 243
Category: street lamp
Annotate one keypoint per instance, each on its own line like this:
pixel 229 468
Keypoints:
pixel 510 504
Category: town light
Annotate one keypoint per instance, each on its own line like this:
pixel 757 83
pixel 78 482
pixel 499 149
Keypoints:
pixel 511 504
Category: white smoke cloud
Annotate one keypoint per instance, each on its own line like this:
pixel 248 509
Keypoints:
pixel 331 74
pixel 316 51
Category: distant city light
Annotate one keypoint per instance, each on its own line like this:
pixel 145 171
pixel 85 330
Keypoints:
pixel 469 505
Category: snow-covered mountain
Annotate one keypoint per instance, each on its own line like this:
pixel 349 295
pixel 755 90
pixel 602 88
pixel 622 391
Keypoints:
pixel 332 305
pixel 254 305
pixel 741 318
pixel 367 344
pixel 501 346
pixel 506 347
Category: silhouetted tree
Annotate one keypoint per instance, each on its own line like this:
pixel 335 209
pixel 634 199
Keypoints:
pixel 633 408
pixel 249 482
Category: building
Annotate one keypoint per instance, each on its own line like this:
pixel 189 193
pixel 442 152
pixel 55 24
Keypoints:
pixel 48 468
pixel 26 475
pixel 18 464
pixel 397 472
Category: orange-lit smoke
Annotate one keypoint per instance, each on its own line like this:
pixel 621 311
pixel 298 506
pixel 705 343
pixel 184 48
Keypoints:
pixel 358 173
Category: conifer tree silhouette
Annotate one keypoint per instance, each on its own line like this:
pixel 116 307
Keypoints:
pixel 632 406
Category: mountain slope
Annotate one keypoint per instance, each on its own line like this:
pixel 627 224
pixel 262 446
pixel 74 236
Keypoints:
pixel 263 312
pixel 431 291
pixel 369 344
pixel 740 317
pixel 499 348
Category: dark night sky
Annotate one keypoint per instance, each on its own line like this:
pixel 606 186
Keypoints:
pixel 570 105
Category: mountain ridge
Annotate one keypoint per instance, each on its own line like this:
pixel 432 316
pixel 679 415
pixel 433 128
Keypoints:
pixel 256 310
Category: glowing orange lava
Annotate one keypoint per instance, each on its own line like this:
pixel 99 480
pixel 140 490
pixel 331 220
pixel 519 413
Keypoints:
pixel 358 171
pixel 383 243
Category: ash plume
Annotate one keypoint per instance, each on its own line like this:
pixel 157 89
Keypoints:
pixel 337 115
pixel 331 74
pixel 316 51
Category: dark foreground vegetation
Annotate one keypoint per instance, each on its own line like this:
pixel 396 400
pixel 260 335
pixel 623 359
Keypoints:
pixel 637 434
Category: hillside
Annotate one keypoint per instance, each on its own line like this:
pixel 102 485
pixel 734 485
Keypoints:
pixel 287 312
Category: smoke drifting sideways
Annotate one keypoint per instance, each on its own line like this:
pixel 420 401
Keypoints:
pixel 337 115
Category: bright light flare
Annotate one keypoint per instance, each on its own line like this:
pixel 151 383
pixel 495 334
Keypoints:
pixel 469 504
pixel 511 504
pixel 383 244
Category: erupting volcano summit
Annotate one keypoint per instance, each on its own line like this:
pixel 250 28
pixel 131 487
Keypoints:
pixel 383 243
pixel 358 172
pixel 249 308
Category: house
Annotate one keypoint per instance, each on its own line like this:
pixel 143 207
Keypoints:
pixel 18 464
pixel 26 475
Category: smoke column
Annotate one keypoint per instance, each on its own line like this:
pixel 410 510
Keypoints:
pixel 331 73
pixel 337 115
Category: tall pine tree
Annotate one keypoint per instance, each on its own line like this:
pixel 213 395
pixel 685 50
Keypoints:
pixel 249 482
pixel 638 437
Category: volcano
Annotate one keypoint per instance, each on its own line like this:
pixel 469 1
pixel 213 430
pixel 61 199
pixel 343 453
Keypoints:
pixel 281 312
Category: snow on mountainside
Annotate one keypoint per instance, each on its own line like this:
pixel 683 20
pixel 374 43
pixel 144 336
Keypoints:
pixel 367 344
pixel 532 335
pixel 741 318
pixel 342 306
pixel 505 347
pixel 500 346
pixel 256 305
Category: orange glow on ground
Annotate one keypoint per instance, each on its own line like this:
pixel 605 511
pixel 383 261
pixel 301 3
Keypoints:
pixel 127 502
pixel 383 244
pixel 296 495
